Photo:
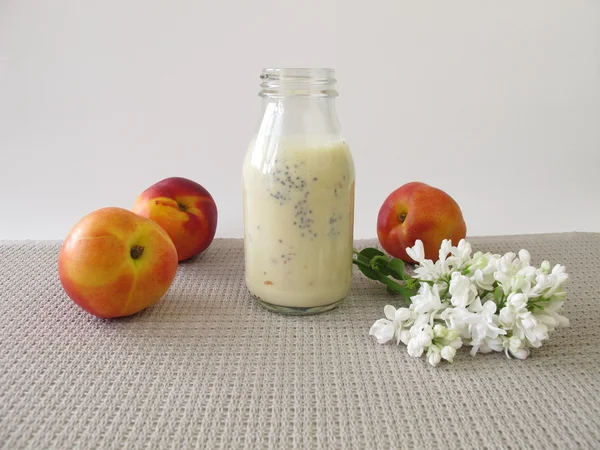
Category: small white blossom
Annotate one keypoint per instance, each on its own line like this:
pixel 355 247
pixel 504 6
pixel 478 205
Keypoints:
pixel 524 257
pixel 515 347
pixel 427 300
pixel 461 290
pixel 421 336
pixel 461 254
pixel 434 355
pixel 404 336
pixel 385 329
pixel 516 306
pixel 482 270
pixel 505 270
pixel 552 320
pixel 528 328
pixel 559 278
pixel 523 280
pixel 427 270
pixel 455 319
pixel 488 345
pixel 543 283
pixel 417 251
pixel 515 274
pixel 483 326
pixel 443 264
pixel 448 353
pixel 446 337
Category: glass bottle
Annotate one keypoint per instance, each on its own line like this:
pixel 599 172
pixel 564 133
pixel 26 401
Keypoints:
pixel 298 185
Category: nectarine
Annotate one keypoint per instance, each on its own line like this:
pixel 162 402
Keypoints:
pixel 115 263
pixel 419 211
pixel 185 210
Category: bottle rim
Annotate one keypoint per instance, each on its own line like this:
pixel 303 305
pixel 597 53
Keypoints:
pixel 298 82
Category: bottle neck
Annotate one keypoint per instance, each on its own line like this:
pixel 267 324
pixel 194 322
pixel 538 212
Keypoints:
pixel 299 102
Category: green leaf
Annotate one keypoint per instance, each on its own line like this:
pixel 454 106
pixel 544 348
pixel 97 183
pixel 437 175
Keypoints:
pixel 369 272
pixel 380 264
pixel 370 253
pixel 373 263
pixel 397 269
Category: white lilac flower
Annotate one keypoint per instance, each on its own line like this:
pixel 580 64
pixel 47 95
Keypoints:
pixel 440 331
pixel 524 324
pixel 506 268
pixel 445 249
pixel 482 270
pixel 483 326
pixel 417 251
pixel 385 329
pixel 528 328
pixel 516 306
pixel 488 345
pixel 516 347
pixel 550 284
pixel 421 337
pixel 461 254
pixel 476 305
pixel 524 258
pixel 458 299
pixel 543 283
pixel 404 336
pixel 560 277
pixel 550 320
pixel 455 319
pixel 448 353
pixel 550 317
pixel 523 280
pixel 443 263
pixel 427 299
pixel 461 290
pixel 453 339
pixel 404 317
pixel 515 274
pixel 427 270
pixel 480 260
pixel 434 355
pixel 445 337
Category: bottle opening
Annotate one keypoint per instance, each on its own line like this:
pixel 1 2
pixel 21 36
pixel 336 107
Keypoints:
pixel 316 83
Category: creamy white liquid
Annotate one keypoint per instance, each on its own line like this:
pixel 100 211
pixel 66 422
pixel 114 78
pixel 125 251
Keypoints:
pixel 298 214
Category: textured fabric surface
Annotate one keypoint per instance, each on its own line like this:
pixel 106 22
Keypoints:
pixel 206 367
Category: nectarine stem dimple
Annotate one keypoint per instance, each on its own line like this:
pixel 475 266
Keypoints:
pixel 402 217
pixel 182 207
pixel 136 251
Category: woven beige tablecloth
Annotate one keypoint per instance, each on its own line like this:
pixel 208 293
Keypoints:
pixel 206 367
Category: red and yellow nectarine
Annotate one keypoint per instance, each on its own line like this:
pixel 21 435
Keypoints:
pixel 419 211
pixel 115 263
pixel 184 209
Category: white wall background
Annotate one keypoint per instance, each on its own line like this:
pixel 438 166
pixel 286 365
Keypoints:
pixel 497 103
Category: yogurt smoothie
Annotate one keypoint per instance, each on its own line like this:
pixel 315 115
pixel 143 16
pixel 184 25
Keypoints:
pixel 298 213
